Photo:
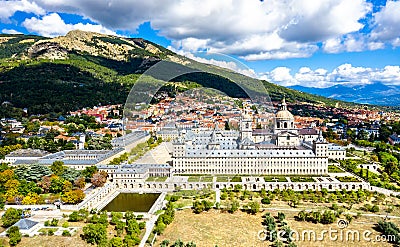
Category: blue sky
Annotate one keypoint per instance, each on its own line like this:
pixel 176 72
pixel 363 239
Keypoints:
pixel 289 42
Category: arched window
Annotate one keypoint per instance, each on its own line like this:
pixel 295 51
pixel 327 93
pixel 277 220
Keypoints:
pixel 285 125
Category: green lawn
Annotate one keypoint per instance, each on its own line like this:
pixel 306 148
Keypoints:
pixel 334 169
pixel 156 179
pixel 302 179
pixel 193 179
pixel 207 179
pixel 236 179
pixel 222 179
pixel 348 179
pixel 275 179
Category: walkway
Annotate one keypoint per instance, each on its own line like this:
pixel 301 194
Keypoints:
pixel 158 204
pixel 149 228
pixel 158 155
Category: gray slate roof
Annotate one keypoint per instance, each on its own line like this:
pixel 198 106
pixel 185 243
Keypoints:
pixel 25 224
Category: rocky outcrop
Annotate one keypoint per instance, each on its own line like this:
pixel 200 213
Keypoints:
pixel 47 50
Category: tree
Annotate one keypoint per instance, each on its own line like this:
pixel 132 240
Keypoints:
pixel 390 167
pixel 45 183
pixel 165 243
pixel 28 187
pixel 233 207
pixel 95 233
pixel 132 227
pixel 80 183
pixel 116 217
pixel 89 171
pixel 11 216
pixel 73 197
pixel 57 184
pixel 131 240
pixel 328 217
pixel 6 175
pixel 198 207
pixel 302 216
pixel 266 200
pixel 58 168
pixel 14 235
pixel 116 242
pixel 99 179
pixel 71 174
pixel 254 207
pixel 227 125
pixel 119 227
pixel 237 187
pixel 281 216
pixel 31 199
pixel 67 186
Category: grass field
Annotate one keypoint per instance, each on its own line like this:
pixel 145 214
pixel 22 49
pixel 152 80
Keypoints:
pixel 222 179
pixel 241 229
pixel 275 179
pixel 302 179
pixel 213 228
pixel 206 179
pixel 334 169
pixel 193 179
pixel 156 179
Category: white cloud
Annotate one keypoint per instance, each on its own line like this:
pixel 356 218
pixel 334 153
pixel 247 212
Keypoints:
pixel 8 8
pixel 254 30
pixel 281 76
pixel 344 74
pixel 351 43
pixel 386 23
pixel 10 31
pixel 52 25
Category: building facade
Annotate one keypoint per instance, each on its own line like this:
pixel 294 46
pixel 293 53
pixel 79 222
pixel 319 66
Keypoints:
pixel 284 150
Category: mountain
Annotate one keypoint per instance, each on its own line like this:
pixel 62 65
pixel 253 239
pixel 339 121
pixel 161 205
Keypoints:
pixel 373 94
pixel 83 69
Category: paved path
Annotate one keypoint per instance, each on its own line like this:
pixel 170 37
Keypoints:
pixel 149 228
pixel 158 155
pixel 217 196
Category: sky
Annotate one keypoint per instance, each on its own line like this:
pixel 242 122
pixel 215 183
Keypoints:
pixel 313 43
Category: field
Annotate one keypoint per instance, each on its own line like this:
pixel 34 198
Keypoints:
pixel 214 228
pixel 241 229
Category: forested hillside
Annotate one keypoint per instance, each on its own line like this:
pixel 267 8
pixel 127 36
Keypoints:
pixel 84 69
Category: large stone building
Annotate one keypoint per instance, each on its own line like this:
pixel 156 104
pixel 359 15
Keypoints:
pixel 284 150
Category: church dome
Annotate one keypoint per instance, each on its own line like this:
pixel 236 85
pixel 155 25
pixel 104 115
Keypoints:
pixel 284 115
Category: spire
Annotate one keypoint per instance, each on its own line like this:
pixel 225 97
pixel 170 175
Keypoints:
pixel 283 105
pixel 320 137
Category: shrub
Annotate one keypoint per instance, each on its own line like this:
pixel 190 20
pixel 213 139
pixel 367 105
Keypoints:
pixel 66 233
pixel 14 235
pixel 54 222
pixel 266 200
pixel 142 225
pixel 11 216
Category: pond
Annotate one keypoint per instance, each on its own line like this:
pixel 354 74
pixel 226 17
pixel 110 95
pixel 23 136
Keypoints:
pixel 132 202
